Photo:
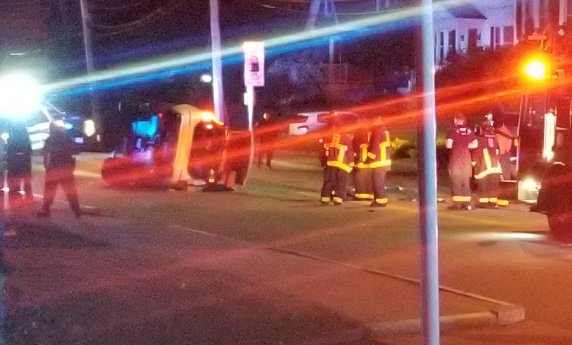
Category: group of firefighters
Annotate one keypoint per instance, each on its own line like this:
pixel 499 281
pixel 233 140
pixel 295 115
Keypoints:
pixel 482 154
pixel 364 152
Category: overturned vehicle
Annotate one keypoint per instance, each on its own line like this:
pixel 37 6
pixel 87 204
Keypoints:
pixel 171 146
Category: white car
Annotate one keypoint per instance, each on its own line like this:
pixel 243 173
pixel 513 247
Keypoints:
pixel 81 130
pixel 308 122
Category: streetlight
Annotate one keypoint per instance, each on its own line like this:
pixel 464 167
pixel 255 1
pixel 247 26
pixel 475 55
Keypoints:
pixel 206 78
pixel 20 96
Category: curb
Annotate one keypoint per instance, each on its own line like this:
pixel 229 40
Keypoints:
pixel 501 316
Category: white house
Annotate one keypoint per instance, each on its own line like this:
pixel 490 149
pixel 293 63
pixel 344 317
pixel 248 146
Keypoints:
pixel 479 24
pixel 489 24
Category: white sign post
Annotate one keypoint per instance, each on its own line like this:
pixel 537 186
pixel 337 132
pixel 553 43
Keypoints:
pixel 253 77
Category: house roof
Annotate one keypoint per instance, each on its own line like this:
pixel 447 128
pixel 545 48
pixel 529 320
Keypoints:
pixel 466 12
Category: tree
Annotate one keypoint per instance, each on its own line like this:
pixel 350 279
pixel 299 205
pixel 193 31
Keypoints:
pixel 295 79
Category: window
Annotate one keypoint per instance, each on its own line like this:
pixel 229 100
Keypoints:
pixel 36 118
pixel 472 40
pixel 441 47
pixel 508 35
pixel 452 49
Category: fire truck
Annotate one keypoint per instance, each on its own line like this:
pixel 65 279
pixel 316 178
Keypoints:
pixel 544 164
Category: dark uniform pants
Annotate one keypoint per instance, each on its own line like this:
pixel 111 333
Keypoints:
pixel 61 176
pixel 20 172
pixel 461 184
pixel 363 183
pixel 488 189
pixel 378 178
pixel 335 181
pixel 265 153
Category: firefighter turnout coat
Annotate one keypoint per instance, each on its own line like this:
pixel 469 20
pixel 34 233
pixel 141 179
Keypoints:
pixel 362 172
pixel 487 168
pixel 339 161
pixel 380 162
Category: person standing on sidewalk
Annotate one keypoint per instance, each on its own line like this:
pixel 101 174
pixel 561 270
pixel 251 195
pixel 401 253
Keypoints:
pixel 19 164
pixel 59 163
pixel 339 161
pixel 379 154
pixel 459 141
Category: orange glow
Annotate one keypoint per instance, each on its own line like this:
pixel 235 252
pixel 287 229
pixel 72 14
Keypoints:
pixel 536 70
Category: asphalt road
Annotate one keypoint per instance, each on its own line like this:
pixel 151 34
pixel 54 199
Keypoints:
pixel 503 254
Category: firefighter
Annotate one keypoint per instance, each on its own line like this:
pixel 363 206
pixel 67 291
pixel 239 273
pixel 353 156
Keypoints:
pixel 362 172
pixel 459 141
pixel 506 141
pixel 487 168
pixel 339 161
pixel 380 161
pixel 60 165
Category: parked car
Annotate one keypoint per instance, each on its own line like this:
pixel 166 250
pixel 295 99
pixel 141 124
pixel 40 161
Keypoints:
pixel 81 129
pixel 308 122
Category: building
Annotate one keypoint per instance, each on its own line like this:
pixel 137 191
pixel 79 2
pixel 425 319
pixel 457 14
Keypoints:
pixel 489 24
pixel 482 24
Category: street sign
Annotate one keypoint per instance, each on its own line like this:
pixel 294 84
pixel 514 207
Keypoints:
pixel 253 63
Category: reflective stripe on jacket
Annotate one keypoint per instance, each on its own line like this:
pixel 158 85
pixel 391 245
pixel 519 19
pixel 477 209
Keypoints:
pixel 379 151
pixel 361 147
pixel 339 153
pixel 486 157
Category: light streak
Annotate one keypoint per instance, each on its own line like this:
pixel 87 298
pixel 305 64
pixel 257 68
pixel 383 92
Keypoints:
pixel 187 61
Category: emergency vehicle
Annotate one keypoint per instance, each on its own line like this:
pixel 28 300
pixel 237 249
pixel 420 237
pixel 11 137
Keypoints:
pixel 172 146
pixel 544 167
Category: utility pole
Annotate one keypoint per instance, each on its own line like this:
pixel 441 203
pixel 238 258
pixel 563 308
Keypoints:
pixel 428 178
pixel 89 63
pixel 218 92
pixel 329 11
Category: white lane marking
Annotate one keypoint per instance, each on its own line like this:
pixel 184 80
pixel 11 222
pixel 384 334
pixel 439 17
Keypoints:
pixel 344 264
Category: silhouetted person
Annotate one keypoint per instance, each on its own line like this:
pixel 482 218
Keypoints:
pixel 59 163
pixel 267 133
pixel 460 141
pixel 19 164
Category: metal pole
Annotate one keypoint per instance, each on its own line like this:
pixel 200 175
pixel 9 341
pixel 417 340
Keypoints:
pixel 3 271
pixel 313 15
pixel 250 106
pixel 89 62
pixel 218 93
pixel 428 180
pixel 87 42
